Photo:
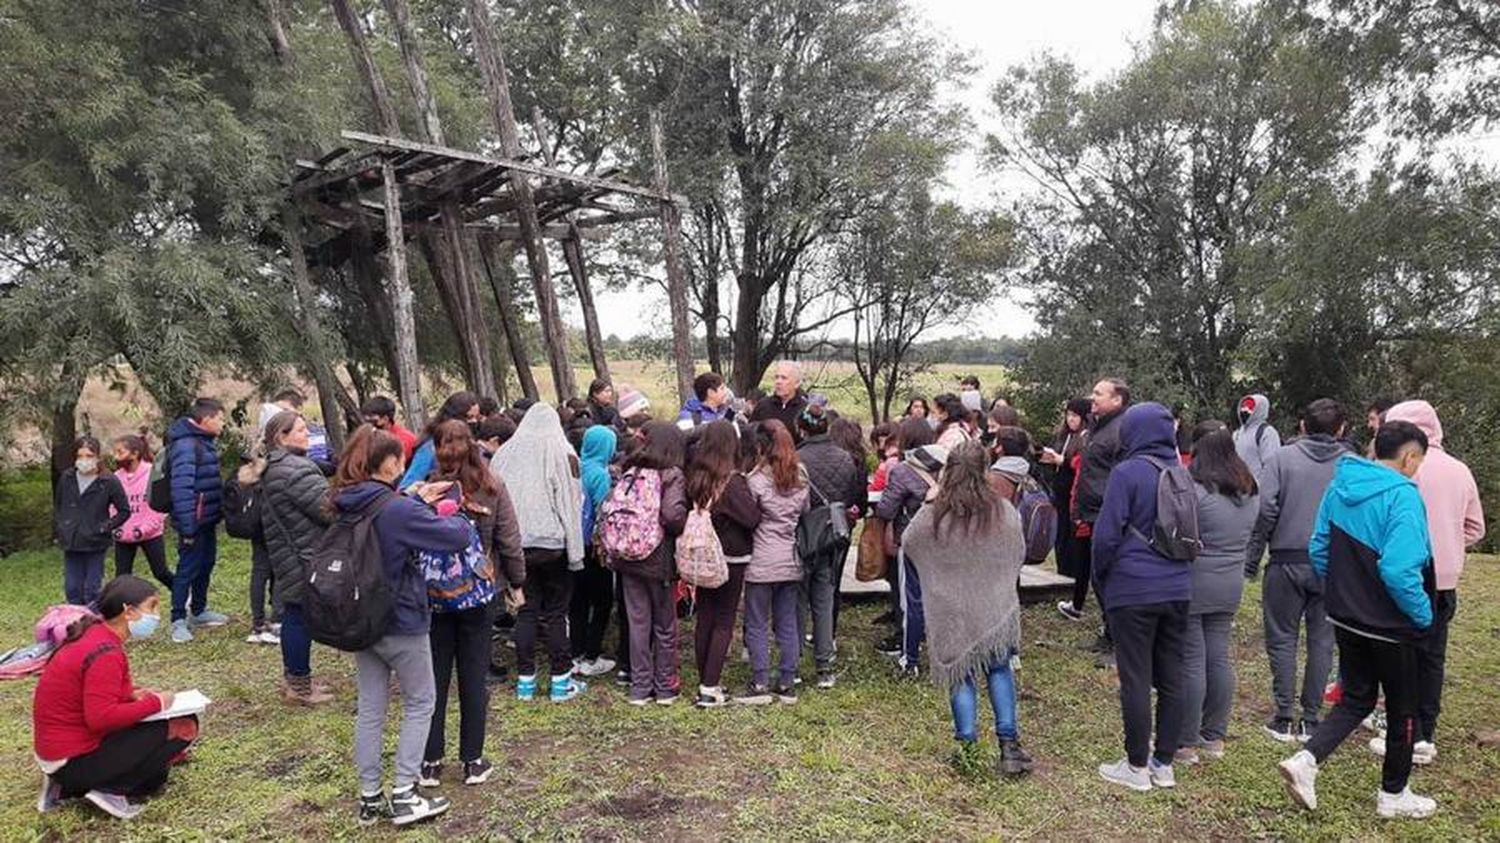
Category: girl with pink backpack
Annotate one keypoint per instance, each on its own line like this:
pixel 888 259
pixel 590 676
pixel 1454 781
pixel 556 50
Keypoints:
pixel 638 524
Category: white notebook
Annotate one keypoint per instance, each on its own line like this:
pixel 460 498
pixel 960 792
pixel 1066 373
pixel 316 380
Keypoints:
pixel 183 703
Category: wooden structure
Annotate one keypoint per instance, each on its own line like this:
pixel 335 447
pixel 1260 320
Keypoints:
pixel 377 192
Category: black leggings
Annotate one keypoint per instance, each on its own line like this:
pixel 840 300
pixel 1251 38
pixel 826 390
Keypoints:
pixel 156 556
pixel 131 762
pixel 593 598
pixel 460 639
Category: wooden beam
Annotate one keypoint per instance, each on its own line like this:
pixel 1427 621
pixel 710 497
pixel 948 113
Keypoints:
pixel 513 163
pixel 671 224
pixel 399 285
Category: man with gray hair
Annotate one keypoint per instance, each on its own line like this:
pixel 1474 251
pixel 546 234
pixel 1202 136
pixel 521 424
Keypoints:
pixel 786 401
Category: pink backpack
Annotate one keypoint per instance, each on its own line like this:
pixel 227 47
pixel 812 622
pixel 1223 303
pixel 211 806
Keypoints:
pixel 629 520
pixel 55 621
pixel 700 557
pixel 50 632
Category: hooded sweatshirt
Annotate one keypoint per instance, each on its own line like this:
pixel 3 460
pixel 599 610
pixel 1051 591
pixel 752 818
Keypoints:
pixel 144 523
pixel 599 443
pixel 1128 571
pixel 1256 440
pixel 1455 519
pixel 1370 546
pixel 1291 487
pixel 405 526
pixel 537 466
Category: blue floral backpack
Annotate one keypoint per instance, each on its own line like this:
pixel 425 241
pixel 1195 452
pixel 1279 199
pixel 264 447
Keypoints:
pixel 460 580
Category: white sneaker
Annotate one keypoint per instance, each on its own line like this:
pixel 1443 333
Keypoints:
pixel 1404 804
pixel 1301 774
pixel 1123 773
pixel 121 808
pixel 595 667
pixel 1422 752
pixel 1162 775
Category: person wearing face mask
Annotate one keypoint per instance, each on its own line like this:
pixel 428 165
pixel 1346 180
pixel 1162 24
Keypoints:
pixel 144 529
pixel 83 521
pixel 90 733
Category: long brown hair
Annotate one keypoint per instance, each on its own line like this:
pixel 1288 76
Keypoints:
pixel 712 462
pixel 364 454
pixel 280 425
pixel 1216 466
pixel 458 459
pixel 778 455
pixel 964 490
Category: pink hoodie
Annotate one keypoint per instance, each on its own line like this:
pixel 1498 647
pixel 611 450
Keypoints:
pixel 1454 516
pixel 145 523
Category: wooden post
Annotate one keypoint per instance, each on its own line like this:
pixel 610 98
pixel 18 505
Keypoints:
pixel 572 246
pixel 502 282
pixel 312 331
pixel 399 290
pixel 671 224
pixel 456 270
pixel 497 86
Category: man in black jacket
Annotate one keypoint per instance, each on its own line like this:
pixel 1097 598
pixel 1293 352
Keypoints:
pixel 787 400
pixel 1101 452
pixel 835 479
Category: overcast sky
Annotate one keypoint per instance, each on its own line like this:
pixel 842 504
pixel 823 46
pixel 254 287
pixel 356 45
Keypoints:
pixel 1098 35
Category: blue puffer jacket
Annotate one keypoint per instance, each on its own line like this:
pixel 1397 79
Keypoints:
pixel 1370 544
pixel 197 485
pixel 1126 568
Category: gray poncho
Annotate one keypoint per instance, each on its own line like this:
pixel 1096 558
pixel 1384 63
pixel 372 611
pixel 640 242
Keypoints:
pixel 537 465
pixel 968 590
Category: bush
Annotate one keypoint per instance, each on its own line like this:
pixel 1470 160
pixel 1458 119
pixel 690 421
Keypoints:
pixel 25 509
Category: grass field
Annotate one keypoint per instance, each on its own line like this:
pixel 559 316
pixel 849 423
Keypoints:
pixel 866 761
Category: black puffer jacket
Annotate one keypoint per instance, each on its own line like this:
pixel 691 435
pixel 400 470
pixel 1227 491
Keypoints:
pixel 832 471
pixel 1101 452
pixel 293 495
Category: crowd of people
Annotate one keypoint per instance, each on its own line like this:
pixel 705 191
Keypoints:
pixel 536 524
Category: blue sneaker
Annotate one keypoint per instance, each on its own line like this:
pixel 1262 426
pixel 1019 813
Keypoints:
pixel 526 688
pixel 565 687
pixel 180 632
pixel 207 618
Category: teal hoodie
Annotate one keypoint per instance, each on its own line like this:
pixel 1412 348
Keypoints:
pixel 599 443
pixel 1371 546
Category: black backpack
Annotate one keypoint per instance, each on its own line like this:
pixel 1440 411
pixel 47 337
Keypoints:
pixel 1175 534
pixel 242 505
pixel 348 603
pixel 822 530
pixel 159 491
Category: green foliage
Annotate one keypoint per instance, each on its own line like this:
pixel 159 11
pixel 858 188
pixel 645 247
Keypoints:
pixel 25 510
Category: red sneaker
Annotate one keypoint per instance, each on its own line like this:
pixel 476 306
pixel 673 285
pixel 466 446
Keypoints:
pixel 1333 693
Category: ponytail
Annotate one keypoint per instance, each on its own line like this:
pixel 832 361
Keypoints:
pixel 120 592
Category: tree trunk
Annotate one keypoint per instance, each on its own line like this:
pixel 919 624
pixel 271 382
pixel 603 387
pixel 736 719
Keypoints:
pixel 502 282
pixel 276 31
pixel 497 86
pixel 748 369
pixel 671 223
pixel 312 330
pixel 572 247
pixel 409 383
pixel 385 113
pixel 64 412
pixel 374 293
pixel 416 71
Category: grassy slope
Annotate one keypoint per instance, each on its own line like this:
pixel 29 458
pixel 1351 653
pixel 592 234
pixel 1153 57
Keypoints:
pixel 865 761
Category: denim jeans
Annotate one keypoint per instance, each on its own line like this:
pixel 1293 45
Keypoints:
pixel 965 703
pixel 195 565
pixel 296 644
pixel 83 575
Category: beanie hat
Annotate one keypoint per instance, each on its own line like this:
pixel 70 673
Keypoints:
pixel 632 402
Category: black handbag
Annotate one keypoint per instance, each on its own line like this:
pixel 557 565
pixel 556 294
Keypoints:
pixel 823 530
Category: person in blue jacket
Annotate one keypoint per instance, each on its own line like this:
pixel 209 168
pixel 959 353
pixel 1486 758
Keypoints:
pixel 1146 597
pixel 711 402
pixel 1371 547
pixel 463 406
pixel 197 497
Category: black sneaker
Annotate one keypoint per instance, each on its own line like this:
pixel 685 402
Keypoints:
pixel 373 809
pixel 431 775
pixel 827 679
pixel 498 674
pixel 1305 730
pixel 755 695
pixel 477 771
pixel 888 617
pixel 1281 729
pixel 786 694
pixel 622 677
pixel 408 807
pixel 890 645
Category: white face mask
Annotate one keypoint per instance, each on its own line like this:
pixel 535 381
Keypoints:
pixel 87 467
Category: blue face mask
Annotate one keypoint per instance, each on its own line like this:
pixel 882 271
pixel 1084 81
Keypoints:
pixel 144 626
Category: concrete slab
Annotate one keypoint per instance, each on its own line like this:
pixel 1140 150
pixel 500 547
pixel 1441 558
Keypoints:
pixel 1038 583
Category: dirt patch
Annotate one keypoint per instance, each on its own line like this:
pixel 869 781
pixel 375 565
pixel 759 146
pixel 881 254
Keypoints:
pixel 647 805
pixel 281 768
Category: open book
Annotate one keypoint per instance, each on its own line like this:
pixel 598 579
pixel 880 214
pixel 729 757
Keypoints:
pixel 183 703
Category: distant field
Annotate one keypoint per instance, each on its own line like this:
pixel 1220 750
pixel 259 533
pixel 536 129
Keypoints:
pixel 114 407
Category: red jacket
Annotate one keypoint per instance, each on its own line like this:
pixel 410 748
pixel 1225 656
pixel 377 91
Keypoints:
pixel 85 693
pixel 408 440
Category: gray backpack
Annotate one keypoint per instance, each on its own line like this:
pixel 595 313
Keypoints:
pixel 1175 534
